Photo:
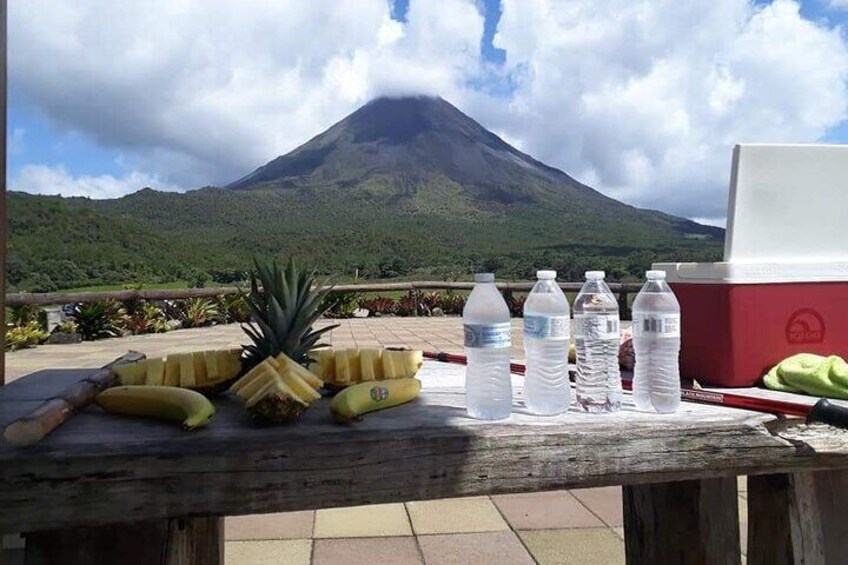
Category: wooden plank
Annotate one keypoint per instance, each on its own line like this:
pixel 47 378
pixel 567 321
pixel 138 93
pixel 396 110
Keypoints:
pixel 693 522
pixel 179 541
pixel 99 468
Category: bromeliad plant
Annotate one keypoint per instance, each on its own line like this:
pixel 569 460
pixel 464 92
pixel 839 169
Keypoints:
pixel 284 304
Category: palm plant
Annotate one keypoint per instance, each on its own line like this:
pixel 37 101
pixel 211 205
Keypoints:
pixel 98 319
pixel 198 312
pixel 284 304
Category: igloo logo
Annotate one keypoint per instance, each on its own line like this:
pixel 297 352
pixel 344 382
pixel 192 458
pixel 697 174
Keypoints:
pixel 805 326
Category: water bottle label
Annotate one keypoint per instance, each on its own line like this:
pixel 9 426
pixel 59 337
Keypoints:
pixel 547 327
pixel 668 325
pixel 488 336
pixel 596 326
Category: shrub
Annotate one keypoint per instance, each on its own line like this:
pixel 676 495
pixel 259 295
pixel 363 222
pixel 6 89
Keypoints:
pixel 341 304
pixel 379 305
pixel 451 303
pixel 25 314
pixel 99 319
pixel 146 318
pixel 198 312
pixel 29 335
pixel 515 304
pixel 406 305
pixel 233 308
pixel 66 327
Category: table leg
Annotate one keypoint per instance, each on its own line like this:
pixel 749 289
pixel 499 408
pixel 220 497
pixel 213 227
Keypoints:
pixel 178 541
pixel 693 522
pixel 798 518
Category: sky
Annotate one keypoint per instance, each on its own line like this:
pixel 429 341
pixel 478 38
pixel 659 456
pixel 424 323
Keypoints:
pixel 640 99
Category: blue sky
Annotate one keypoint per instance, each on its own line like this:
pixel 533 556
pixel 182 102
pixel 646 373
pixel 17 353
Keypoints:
pixel 111 108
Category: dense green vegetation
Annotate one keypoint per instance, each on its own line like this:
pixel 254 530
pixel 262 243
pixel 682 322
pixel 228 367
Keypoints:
pixel 150 237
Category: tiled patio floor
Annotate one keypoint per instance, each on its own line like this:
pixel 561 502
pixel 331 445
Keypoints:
pixel 564 527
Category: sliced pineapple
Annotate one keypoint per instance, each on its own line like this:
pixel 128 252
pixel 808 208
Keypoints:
pixel 131 373
pixel 187 377
pixel 299 370
pixel 276 402
pixel 324 366
pixel 260 376
pixel 155 372
pixel 215 369
pixel 371 364
pixel 172 370
pixel 347 366
pixel 199 359
pixel 298 385
pixel 401 363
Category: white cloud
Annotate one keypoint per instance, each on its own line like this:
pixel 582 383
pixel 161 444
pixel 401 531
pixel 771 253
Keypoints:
pixel 838 4
pixel 641 98
pixel 41 179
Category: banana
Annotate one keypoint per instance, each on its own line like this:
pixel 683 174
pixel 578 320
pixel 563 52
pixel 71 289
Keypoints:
pixel 359 399
pixel 165 402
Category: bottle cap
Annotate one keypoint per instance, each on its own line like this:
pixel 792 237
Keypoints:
pixel 484 277
pixel 545 275
pixel 595 275
pixel 655 275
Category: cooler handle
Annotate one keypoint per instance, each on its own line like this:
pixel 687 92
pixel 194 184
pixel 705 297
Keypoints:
pixel 825 412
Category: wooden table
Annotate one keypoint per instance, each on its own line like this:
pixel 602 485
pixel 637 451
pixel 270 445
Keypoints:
pixel 136 491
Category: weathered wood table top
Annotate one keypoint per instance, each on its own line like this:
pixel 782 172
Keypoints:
pixel 100 468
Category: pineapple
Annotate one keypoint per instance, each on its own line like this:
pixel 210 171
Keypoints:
pixel 347 366
pixel 299 370
pixel 199 359
pixel 172 371
pixel 255 380
pixel 131 373
pixel 214 362
pixel 155 372
pixel 324 364
pixel 276 402
pixel 186 361
pixel 400 363
pixel 371 364
pixel 298 385
pixel 284 307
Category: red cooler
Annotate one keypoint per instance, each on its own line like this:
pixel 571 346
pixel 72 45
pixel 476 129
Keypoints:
pixel 739 320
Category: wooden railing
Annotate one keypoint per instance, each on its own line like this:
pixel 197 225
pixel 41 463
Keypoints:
pixel 622 290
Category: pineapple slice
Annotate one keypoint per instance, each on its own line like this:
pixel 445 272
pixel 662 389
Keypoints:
pixel 199 359
pixel 155 372
pixel 401 363
pixel 298 385
pixel 131 373
pixel 172 370
pixel 215 369
pixel 246 379
pixel 187 377
pixel 229 362
pixel 299 370
pixel 347 366
pixel 371 364
pixel 324 366
pixel 276 402
pixel 259 377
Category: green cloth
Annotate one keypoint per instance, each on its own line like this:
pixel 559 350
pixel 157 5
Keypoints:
pixel 812 374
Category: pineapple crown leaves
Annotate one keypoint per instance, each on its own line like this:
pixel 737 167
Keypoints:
pixel 284 303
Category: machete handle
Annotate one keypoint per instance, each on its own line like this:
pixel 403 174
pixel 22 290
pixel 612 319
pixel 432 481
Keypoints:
pixel 825 412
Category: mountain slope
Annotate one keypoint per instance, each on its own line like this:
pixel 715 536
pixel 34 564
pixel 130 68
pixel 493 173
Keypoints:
pixel 401 186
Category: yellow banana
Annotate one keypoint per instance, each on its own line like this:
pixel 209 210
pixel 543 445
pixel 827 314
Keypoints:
pixel 359 399
pixel 165 402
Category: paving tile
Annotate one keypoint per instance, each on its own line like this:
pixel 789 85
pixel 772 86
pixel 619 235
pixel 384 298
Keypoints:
pixel 269 552
pixel 605 502
pixel 619 532
pixel 286 525
pixel 362 521
pixel 366 551
pixel 599 546
pixel 486 548
pixel 545 511
pixel 456 515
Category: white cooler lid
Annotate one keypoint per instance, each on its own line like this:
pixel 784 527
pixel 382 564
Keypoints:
pixel 788 203
pixel 753 273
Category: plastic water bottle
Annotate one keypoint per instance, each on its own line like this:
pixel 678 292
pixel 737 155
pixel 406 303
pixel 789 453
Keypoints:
pixel 656 343
pixel 488 388
pixel 547 333
pixel 596 339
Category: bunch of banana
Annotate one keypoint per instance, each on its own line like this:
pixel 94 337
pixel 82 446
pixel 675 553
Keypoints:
pixel 345 367
pixel 356 400
pixel 190 408
pixel 278 389
pixel 207 372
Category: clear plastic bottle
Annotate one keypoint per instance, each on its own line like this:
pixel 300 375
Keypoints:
pixel 488 388
pixel 596 337
pixel 656 344
pixel 547 334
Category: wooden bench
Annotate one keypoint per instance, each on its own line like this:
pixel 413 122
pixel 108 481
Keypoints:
pixel 105 489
